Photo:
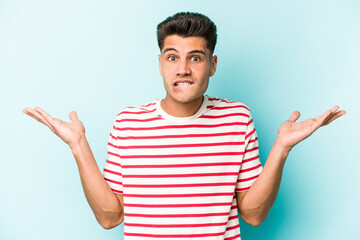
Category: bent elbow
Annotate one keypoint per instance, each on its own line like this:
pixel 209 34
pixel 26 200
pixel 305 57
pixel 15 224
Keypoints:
pixel 254 220
pixel 106 226
pixel 109 223
pixel 254 223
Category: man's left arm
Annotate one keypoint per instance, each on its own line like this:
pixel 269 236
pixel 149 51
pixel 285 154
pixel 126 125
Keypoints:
pixel 254 204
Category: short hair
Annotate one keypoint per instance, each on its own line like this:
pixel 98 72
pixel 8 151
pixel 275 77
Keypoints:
pixel 187 24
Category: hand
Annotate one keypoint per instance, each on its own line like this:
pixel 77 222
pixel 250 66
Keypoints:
pixel 291 133
pixel 69 132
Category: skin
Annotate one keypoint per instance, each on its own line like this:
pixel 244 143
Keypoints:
pixel 107 206
pixel 184 60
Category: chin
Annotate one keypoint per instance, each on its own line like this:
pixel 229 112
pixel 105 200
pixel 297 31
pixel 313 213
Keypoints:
pixel 187 99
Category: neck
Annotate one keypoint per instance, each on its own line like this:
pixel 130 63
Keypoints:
pixel 179 109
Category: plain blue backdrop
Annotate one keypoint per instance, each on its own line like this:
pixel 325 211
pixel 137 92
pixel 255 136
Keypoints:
pixel 97 57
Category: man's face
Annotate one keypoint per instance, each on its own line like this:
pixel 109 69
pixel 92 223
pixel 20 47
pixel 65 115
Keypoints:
pixel 186 66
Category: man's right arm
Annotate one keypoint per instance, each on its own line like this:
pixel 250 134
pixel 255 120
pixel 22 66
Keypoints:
pixel 106 205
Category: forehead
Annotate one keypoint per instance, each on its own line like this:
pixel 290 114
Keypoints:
pixel 185 44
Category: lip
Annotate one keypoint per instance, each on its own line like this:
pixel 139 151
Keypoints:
pixel 175 84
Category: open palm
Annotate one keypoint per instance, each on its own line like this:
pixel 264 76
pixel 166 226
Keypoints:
pixel 290 133
pixel 69 132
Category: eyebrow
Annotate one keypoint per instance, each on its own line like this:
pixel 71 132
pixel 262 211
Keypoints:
pixel 170 49
pixel 191 52
pixel 198 51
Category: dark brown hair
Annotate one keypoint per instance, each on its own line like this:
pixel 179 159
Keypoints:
pixel 187 24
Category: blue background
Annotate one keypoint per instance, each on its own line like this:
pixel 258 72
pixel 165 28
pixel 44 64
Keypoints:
pixel 97 57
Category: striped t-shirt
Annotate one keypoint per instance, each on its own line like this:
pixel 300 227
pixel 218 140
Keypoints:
pixel 178 176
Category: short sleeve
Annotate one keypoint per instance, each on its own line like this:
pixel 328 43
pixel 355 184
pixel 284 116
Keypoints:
pixel 250 167
pixel 112 168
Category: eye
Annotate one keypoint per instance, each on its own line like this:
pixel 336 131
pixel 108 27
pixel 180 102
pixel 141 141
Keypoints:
pixel 172 58
pixel 195 59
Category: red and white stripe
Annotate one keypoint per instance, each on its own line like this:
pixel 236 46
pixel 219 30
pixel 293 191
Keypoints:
pixel 179 175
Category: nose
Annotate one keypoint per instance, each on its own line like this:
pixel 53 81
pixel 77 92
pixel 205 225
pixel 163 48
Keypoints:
pixel 183 68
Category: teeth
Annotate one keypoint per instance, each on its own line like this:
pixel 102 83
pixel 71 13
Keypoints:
pixel 182 83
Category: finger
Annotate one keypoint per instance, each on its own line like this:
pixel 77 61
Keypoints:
pixel 73 116
pixel 323 118
pixel 328 115
pixel 32 113
pixel 332 112
pixel 334 108
pixel 47 118
pixel 37 116
pixel 294 116
pixel 45 115
pixel 334 116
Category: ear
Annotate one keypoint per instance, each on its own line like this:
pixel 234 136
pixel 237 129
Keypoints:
pixel 213 65
pixel 160 67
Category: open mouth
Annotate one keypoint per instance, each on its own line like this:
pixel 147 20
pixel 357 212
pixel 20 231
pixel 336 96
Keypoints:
pixel 180 83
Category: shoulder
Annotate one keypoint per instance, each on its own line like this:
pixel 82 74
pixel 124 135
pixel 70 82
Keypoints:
pixel 227 106
pixel 138 111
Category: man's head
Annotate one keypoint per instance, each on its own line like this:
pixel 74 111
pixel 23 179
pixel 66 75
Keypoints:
pixel 186 61
pixel 186 24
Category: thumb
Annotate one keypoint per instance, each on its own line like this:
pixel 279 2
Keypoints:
pixel 73 116
pixel 294 116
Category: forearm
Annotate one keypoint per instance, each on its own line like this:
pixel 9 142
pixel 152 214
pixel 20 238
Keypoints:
pixel 256 203
pixel 106 206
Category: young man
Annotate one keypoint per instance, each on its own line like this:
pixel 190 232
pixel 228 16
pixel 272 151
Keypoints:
pixel 182 166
